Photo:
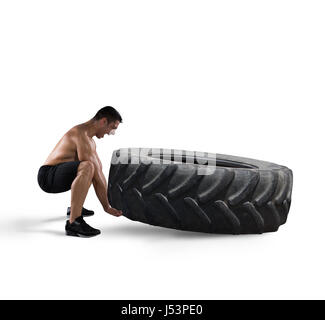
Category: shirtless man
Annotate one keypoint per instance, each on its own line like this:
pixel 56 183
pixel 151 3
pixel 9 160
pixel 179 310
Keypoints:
pixel 74 164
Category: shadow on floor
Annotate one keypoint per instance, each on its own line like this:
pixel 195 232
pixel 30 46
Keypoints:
pixel 131 229
pixel 137 229
pixel 34 225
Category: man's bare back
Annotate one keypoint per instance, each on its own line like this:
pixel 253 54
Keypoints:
pixel 66 149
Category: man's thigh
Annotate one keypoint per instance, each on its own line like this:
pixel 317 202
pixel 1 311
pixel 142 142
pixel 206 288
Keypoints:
pixel 63 176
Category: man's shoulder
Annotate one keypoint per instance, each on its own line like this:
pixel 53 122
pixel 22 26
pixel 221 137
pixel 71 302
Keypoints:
pixel 75 133
pixel 78 135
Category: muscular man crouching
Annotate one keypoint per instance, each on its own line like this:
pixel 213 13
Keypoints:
pixel 74 164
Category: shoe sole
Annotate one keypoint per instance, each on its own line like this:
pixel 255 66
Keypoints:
pixel 84 215
pixel 76 234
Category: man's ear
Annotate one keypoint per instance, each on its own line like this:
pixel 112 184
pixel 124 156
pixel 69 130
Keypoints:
pixel 103 122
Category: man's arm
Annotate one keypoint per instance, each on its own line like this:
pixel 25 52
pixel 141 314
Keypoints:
pixel 87 152
pixel 100 185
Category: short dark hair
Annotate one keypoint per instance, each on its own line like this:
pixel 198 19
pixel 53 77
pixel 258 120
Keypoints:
pixel 109 113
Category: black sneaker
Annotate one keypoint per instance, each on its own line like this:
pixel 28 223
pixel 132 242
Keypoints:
pixel 79 228
pixel 84 212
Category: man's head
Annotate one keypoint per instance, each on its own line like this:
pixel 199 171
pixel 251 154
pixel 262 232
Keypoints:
pixel 107 120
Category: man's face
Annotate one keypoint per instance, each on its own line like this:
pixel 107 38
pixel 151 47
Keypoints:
pixel 107 128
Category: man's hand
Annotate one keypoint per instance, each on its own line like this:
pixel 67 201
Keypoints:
pixel 113 211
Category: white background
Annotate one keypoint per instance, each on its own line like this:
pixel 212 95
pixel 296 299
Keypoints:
pixel 244 78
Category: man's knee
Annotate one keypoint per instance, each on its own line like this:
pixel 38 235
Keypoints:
pixel 87 168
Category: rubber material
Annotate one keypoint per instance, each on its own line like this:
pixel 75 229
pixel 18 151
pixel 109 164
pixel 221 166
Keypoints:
pixel 232 195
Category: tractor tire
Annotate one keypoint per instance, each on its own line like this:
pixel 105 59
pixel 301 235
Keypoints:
pixel 200 192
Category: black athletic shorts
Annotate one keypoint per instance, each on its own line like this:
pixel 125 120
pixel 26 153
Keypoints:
pixel 57 178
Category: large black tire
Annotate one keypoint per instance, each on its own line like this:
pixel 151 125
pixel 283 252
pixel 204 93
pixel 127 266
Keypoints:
pixel 240 195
